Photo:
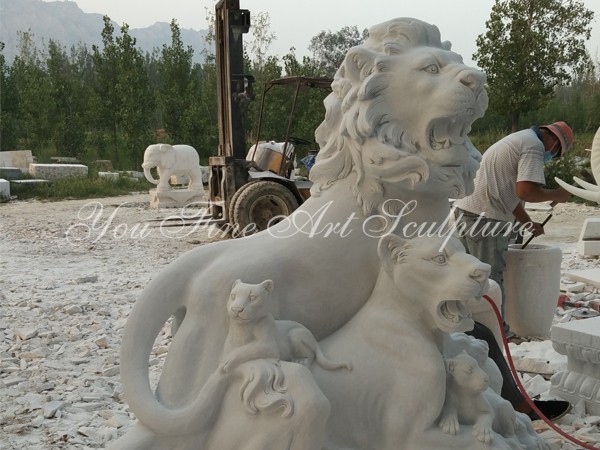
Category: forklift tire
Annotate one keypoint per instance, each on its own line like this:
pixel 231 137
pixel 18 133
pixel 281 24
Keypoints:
pixel 260 204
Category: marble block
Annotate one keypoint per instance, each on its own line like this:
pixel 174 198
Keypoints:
pixel 587 276
pixel 580 341
pixel 114 176
pixel 175 198
pixel 4 190
pixel 11 173
pixel 589 239
pixel 16 158
pixel 58 171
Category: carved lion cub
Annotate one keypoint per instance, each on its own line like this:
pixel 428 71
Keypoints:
pixel 467 403
pixel 255 334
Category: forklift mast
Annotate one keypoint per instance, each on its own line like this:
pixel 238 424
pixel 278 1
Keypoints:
pixel 229 170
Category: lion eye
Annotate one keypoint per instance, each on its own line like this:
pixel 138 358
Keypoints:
pixel 432 68
pixel 468 369
pixel 253 298
pixel 439 259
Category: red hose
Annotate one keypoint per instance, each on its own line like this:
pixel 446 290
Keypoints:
pixel 520 385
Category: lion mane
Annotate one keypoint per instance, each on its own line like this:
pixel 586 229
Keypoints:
pixel 363 136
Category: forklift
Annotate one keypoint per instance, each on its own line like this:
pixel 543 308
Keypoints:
pixel 250 190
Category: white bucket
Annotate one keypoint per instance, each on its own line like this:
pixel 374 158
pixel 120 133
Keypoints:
pixel 532 287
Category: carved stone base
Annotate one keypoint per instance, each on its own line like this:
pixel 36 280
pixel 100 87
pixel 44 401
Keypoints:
pixel 175 198
pixel 580 341
pixel 588 244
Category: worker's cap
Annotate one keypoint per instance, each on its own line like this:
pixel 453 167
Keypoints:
pixel 564 134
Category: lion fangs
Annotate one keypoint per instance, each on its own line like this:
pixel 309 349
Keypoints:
pixel 438 145
pixel 446 143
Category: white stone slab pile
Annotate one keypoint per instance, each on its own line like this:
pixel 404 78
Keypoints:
pixel 58 171
pixel 4 190
pixel 16 158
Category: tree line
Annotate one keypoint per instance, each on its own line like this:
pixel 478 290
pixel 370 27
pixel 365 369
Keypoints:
pixel 112 101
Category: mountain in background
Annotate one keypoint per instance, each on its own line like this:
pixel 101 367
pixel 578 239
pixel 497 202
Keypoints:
pixel 64 22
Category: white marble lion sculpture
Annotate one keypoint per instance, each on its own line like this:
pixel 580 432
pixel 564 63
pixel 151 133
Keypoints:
pixel 394 148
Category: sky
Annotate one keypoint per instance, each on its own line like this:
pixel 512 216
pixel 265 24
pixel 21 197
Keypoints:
pixel 295 22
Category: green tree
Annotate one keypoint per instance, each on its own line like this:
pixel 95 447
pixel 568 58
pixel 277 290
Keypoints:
pixel 135 107
pixel 106 63
pixel 261 39
pixel 125 105
pixel 67 121
pixel 8 107
pixel 32 95
pixel 329 48
pixel 530 47
pixel 176 86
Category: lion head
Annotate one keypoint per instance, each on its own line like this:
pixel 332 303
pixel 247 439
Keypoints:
pixel 401 107
pixel 436 277
pixel 466 374
pixel 249 302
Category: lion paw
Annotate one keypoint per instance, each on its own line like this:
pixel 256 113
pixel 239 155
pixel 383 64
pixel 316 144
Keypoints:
pixel 227 365
pixel 483 434
pixel 450 424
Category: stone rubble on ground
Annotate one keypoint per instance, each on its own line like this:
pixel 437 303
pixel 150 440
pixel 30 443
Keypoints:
pixel 69 275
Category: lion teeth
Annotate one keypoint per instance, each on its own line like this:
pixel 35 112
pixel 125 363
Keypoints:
pixel 453 311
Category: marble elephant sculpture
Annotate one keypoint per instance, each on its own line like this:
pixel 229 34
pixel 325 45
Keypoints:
pixel 172 160
pixel 394 148
pixel 588 191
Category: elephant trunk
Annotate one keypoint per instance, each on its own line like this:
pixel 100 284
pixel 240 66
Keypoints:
pixel 148 173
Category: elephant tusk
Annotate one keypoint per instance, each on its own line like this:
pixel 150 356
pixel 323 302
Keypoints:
pixel 586 185
pixel 592 196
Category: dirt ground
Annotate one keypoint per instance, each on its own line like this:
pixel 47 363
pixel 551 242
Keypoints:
pixel 70 272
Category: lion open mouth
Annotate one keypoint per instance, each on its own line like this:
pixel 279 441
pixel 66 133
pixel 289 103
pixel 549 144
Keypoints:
pixel 453 315
pixel 447 132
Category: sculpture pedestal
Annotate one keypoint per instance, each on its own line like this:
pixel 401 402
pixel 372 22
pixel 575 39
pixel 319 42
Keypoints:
pixel 580 341
pixel 175 198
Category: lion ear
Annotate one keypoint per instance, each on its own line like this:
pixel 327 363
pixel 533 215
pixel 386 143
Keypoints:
pixel 268 285
pixel 389 250
pixel 358 64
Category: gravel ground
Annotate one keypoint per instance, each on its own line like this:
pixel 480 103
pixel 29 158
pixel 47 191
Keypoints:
pixel 69 274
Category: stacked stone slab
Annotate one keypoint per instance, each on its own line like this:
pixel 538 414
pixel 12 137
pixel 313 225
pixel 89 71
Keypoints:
pixel 589 239
pixel 11 173
pixel 58 171
pixel 580 382
pixel 4 190
pixel 16 158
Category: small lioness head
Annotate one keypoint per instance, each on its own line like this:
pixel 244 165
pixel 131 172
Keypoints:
pixel 465 372
pixel 249 302
pixel 435 277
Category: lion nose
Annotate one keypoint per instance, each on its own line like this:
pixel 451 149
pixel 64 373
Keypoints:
pixel 237 309
pixel 473 79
